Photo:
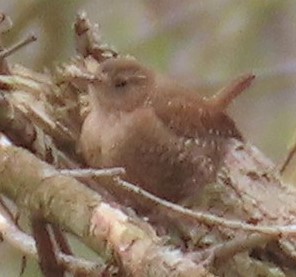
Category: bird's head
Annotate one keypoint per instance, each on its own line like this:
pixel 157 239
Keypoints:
pixel 124 84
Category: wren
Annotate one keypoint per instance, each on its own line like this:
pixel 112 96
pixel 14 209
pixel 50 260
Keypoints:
pixel 169 139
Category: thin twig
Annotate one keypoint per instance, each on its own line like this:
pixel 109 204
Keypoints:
pixel 7 52
pixel 223 251
pixel 76 173
pixel 206 218
pixel 288 159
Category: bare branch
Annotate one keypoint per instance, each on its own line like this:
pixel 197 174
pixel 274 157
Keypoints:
pixel 26 244
pixel 7 52
pixel 65 201
pixel 174 210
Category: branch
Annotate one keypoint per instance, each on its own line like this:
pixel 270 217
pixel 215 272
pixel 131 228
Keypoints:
pixel 26 244
pixel 36 186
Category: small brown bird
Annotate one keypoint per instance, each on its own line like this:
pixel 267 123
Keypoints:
pixel 168 138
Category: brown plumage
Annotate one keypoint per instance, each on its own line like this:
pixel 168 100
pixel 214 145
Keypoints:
pixel 168 138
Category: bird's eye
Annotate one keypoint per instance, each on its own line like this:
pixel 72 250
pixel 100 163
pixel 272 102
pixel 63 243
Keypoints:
pixel 120 83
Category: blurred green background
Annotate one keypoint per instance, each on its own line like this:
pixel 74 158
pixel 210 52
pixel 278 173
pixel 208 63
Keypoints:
pixel 204 44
